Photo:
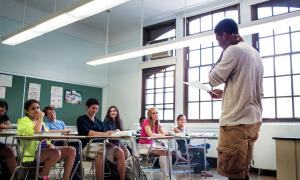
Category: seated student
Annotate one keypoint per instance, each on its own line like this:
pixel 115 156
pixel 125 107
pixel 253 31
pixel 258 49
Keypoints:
pixel 152 128
pixel 185 147
pixel 113 122
pixel 4 119
pixel 53 124
pixel 6 152
pixel 89 125
pixel 33 123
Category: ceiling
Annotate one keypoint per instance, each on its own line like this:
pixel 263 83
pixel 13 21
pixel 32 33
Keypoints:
pixel 125 15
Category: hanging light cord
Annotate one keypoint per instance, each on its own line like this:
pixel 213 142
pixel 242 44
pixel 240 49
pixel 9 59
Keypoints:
pixel 142 22
pixel 24 13
pixel 107 29
pixel 54 6
pixel 185 18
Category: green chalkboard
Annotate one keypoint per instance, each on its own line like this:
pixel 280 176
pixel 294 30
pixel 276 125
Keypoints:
pixel 68 113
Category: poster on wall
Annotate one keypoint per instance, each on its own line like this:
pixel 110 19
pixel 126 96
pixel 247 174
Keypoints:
pixel 34 91
pixel 6 80
pixel 2 92
pixel 73 97
pixel 56 97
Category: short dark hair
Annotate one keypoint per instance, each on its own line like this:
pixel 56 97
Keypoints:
pixel 228 26
pixel 28 103
pixel 47 108
pixel 91 101
pixel 142 119
pixel 4 105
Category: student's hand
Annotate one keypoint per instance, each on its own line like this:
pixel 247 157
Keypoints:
pixel 51 146
pixel 40 115
pixel 216 93
pixel 108 133
pixel 67 130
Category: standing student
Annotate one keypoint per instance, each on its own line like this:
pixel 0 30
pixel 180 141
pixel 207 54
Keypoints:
pixel 89 125
pixel 113 122
pixel 33 123
pixel 5 151
pixel 240 68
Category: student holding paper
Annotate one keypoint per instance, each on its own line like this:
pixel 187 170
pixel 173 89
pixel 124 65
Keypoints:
pixel 240 68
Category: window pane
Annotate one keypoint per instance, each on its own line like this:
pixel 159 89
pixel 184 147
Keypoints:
pixel 149 98
pixel 169 97
pixel 283 86
pixel 204 71
pixel 282 65
pixel 217 53
pixel 193 94
pixel 266 46
pixel 159 82
pixel 194 46
pixel 206 56
pixel 296 63
pixel 169 89
pixel 159 98
pixel 282 44
pixel 205 109
pixel 168 115
pixel 150 83
pixel 160 74
pixel 217 17
pixel 194 58
pixel 233 15
pixel 171 68
pixel 194 26
pixel 217 109
pixel 281 29
pixel 280 10
pixel 296 26
pixel 268 108
pixel 206 44
pixel 193 111
pixel 264 12
pixel 206 23
pixel 284 108
pixel 297 107
pixel 150 91
pixel 296 85
pixel 169 106
pixel 161 90
pixel 204 96
pixel 168 34
pixel 193 74
pixel 295 40
pixel 268 66
pixel 169 81
pixel 294 9
pixel 160 113
pixel 268 87
pixel 265 32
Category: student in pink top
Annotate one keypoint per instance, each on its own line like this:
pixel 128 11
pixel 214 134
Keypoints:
pixel 152 128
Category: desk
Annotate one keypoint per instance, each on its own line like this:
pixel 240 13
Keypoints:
pixel 7 133
pixel 40 137
pixel 288 158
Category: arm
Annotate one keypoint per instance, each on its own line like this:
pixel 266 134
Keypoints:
pixel 150 133
pixel 96 133
pixel 162 131
pixel 176 130
pixel 5 124
pixel 39 122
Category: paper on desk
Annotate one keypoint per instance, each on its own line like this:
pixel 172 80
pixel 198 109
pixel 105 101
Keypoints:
pixel 122 133
pixel 198 85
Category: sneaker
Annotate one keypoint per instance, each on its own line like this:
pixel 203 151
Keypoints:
pixel 206 174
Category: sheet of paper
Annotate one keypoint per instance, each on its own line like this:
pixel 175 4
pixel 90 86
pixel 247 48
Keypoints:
pixel 198 85
pixel 34 91
pixel 56 97
pixel 2 92
pixel 6 80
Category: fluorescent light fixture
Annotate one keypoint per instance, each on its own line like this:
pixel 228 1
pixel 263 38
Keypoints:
pixel 78 11
pixel 248 29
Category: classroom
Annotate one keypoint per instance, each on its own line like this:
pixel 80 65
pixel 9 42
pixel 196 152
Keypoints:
pixel 161 89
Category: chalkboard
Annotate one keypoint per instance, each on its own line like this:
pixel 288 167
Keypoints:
pixel 68 113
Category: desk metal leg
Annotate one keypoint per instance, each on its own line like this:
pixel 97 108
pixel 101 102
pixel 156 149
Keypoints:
pixel 38 159
pixel 170 159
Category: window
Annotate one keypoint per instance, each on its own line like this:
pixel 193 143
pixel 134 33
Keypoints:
pixel 199 106
pixel 281 59
pixel 159 83
pixel 159 91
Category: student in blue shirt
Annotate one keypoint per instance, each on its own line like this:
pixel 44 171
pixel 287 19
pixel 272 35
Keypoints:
pixel 53 124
